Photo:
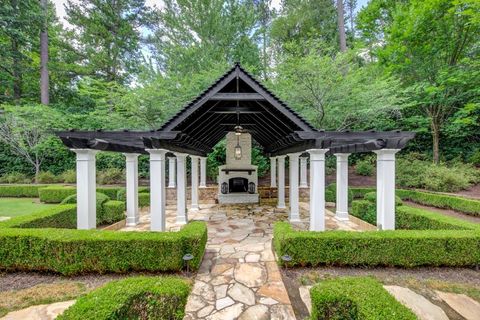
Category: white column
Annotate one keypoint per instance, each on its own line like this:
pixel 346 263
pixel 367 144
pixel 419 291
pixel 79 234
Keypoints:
pixel 317 189
pixel 171 172
pixel 131 166
pixel 294 215
pixel 182 217
pixel 342 186
pixel 203 172
pixel 86 185
pixel 273 172
pixel 194 172
pixel 157 189
pixel 303 172
pixel 386 188
pixel 281 182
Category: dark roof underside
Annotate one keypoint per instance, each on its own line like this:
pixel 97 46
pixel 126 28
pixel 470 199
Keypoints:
pixel 235 98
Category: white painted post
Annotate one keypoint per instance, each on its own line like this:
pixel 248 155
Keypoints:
pixel 131 165
pixel 342 186
pixel 281 182
pixel 157 189
pixel 194 172
pixel 86 189
pixel 294 215
pixel 317 189
pixel 273 172
pixel 171 172
pixel 303 172
pixel 182 217
pixel 386 188
pixel 203 172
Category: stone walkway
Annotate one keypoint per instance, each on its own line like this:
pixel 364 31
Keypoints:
pixel 40 312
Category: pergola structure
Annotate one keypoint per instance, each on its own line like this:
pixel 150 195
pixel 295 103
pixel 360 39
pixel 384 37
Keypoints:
pixel 235 100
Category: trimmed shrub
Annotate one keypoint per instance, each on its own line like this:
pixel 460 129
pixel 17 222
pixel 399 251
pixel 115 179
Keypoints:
pixel 15 177
pixel 143 189
pixel 61 216
pixel 79 251
pixel 360 192
pixel 465 205
pixel 110 176
pixel 46 177
pixel 111 192
pixel 55 194
pixel 399 248
pixel 113 211
pixel 331 193
pixel 20 191
pixel 143 197
pixel 101 199
pixel 364 168
pixel 372 197
pixel 133 298
pixel 410 218
pixel 355 298
pixel 365 210
pixel 69 176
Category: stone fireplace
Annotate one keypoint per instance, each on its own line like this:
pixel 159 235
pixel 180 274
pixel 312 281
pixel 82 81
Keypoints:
pixel 238 178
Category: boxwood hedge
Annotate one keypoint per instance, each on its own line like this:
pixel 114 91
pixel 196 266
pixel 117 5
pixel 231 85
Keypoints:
pixel 61 216
pixel 55 194
pixel 401 248
pixel 133 298
pixel 70 252
pixel 20 191
pixel 143 197
pixel 331 193
pixel 465 205
pixel 355 298
pixel 108 211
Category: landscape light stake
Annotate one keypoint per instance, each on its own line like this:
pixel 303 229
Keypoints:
pixel 286 259
pixel 186 258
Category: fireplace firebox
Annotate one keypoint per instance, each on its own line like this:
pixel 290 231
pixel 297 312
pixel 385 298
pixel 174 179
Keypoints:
pixel 237 184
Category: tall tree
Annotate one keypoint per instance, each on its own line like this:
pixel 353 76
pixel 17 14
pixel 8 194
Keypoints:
pixel 341 26
pixel 350 6
pixel 108 34
pixel 427 45
pixel 44 78
pixel 264 18
pixel 18 42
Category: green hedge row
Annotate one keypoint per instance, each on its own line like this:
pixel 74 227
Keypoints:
pixel 331 193
pixel 465 205
pixel 70 252
pixel 355 298
pixel 366 209
pixel 61 216
pixel 133 298
pixel 401 248
pixel 55 194
pixel 20 191
pixel 143 197
pixel 359 192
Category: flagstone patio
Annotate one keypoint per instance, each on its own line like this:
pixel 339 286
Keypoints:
pixel 239 277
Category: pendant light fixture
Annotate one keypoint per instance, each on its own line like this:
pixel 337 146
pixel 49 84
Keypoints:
pixel 238 131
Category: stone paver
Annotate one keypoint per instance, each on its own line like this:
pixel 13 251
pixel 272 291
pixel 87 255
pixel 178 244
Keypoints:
pixel 40 312
pixel 423 308
pixel 462 304
pixel 305 296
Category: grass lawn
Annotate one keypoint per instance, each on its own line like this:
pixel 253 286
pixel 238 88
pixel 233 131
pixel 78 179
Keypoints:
pixel 12 207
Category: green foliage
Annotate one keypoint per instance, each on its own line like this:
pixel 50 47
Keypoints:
pixel 355 298
pixel 364 168
pixel 103 217
pixel 131 298
pixel 46 177
pixel 331 193
pixel 399 248
pixel 110 176
pixel 372 197
pixel 20 191
pixel 15 177
pixel 143 197
pixel 111 192
pixel 113 211
pixel 474 159
pixel 69 176
pixel 62 216
pixel 465 205
pixel 55 194
pixel 359 192
pixel 71 252
pixel 365 210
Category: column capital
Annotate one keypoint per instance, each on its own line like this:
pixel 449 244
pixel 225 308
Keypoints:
pixel 386 154
pixel 295 154
pixel 283 156
pixel 131 156
pixel 85 154
pixel 317 154
pixel 180 154
pixel 194 157
pixel 157 154
pixel 171 158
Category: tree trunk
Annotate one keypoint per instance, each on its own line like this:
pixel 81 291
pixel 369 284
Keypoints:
pixel 341 26
pixel 44 78
pixel 435 126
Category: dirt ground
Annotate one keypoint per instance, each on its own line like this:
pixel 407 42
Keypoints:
pixel 420 280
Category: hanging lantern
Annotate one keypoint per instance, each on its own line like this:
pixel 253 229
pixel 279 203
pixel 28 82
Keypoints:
pixel 238 150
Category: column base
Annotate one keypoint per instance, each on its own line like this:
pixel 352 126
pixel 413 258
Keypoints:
pixel 194 208
pixel 281 206
pixel 202 186
pixel 181 220
pixel 132 221
pixel 157 229
pixel 303 186
pixel 295 219
pixel 172 186
pixel 341 216
pixel 273 186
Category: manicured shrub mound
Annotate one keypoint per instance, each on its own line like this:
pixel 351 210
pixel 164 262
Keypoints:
pixel 80 251
pixel 133 298
pixel 61 216
pixel 20 191
pixel 355 298
pixel 143 197
pixel 409 218
pixel 55 194
pixel 113 211
pixel 401 248
pixel 111 192
pixel 331 193
pixel 103 216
